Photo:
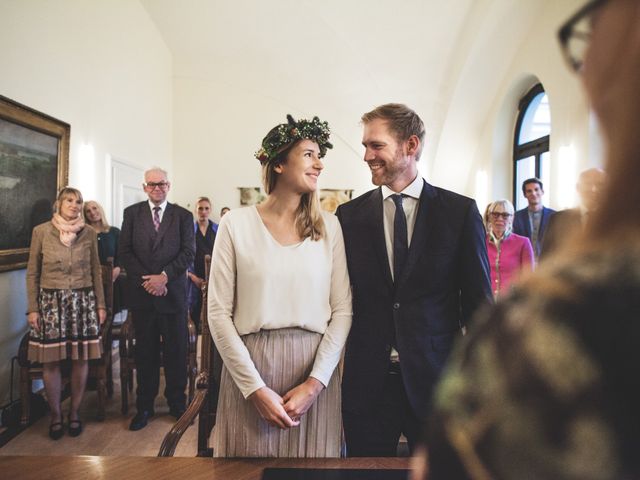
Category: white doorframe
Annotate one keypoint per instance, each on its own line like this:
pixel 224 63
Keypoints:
pixel 126 185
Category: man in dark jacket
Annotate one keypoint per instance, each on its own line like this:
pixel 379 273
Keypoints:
pixel 156 248
pixel 418 266
pixel 532 221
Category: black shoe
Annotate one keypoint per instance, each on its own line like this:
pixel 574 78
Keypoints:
pixel 140 420
pixel 176 411
pixel 76 430
pixel 54 432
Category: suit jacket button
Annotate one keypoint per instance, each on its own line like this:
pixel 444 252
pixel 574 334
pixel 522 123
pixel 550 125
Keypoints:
pixel 396 306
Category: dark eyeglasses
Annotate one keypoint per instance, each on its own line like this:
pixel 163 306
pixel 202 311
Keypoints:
pixel 575 34
pixel 504 215
pixel 153 185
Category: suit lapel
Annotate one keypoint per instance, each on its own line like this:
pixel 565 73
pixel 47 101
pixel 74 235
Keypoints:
pixel 543 220
pixel 527 223
pixel 167 218
pixel 374 220
pixel 146 217
pixel 424 226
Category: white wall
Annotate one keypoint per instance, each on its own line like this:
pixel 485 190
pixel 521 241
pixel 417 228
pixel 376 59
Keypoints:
pixel 478 135
pixel 501 49
pixel 241 66
pixel 102 67
pixel 218 128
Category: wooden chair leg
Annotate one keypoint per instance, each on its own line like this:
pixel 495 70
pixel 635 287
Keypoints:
pixel 25 395
pixel 125 371
pixel 203 418
pixel 124 385
pixel 110 374
pixel 101 388
pixel 125 395
pixel 192 383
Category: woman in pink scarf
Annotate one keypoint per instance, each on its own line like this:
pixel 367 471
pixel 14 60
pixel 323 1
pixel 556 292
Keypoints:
pixel 509 253
pixel 66 304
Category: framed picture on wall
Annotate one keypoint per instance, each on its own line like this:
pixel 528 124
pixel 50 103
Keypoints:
pixel 251 195
pixel 331 198
pixel 34 165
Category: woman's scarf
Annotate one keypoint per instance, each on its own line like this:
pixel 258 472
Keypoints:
pixel 497 241
pixel 68 228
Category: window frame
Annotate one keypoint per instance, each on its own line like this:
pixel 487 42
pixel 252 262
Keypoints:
pixel 534 148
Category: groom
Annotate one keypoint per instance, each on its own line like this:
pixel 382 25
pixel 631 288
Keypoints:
pixel 419 269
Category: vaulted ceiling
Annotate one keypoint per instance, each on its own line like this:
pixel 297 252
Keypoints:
pixel 339 58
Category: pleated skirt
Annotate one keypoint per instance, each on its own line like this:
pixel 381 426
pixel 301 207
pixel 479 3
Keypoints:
pixel 284 358
pixel 69 327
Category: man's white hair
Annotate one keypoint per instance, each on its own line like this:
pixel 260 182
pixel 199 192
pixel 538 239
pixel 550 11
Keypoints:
pixel 156 170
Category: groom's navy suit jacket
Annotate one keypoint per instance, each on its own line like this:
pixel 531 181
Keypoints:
pixel 446 278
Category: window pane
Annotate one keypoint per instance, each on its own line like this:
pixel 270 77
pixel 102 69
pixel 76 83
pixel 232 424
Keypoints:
pixel 545 174
pixel 525 168
pixel 536 122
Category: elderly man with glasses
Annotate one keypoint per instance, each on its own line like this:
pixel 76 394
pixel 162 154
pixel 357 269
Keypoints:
pixel 156 248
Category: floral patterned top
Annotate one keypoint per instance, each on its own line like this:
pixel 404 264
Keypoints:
pixel 547 383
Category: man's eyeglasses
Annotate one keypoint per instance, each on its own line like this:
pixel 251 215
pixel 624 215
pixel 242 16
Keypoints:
pixel 153 185
pixel 503 215
pixel 575 34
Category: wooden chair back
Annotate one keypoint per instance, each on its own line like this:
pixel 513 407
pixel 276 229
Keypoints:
pixel 205 401
pixel 212 362
pixel 99 368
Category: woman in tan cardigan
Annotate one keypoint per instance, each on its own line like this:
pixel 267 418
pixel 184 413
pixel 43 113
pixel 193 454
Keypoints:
pixel 66 304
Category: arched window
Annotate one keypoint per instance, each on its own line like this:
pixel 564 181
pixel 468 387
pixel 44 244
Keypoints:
pixel 531 145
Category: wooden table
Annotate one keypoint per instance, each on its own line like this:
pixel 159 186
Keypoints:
pixel 176 468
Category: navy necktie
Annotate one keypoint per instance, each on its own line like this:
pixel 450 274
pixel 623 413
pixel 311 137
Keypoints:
pixel 156 218
pixel 400 243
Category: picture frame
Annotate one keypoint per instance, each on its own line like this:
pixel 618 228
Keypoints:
pixel 332 198
pixel 34 166
pixel 251 195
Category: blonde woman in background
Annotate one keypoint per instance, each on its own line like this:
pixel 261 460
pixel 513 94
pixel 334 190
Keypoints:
pixel 204 231
pixel 509 253
pixel 108 236
pixel 65 304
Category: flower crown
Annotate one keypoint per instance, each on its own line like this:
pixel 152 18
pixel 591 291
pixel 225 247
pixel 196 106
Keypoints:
pixel 282 136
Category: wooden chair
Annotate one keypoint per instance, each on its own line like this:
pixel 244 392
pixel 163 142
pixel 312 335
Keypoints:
pixel 97 378
pixel 116 328
pixel 99 369
pixel 128 361
pixel 205 401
